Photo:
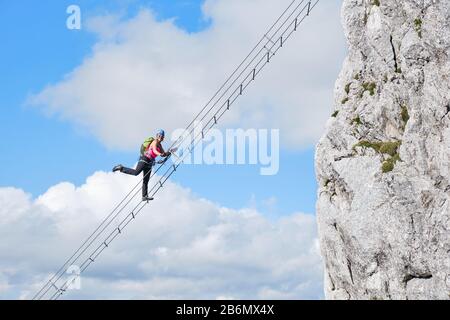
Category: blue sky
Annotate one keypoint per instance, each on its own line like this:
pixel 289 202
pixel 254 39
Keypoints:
pixel 39 150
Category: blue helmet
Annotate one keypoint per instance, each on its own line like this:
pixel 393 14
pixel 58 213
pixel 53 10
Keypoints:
pixel 161 133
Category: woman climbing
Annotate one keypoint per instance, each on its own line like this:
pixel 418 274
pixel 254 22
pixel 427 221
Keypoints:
pixel 150 150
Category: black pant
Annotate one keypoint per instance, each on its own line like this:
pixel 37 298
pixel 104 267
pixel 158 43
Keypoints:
pixel 144 165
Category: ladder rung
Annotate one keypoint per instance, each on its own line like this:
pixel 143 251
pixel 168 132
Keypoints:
pixel 268 38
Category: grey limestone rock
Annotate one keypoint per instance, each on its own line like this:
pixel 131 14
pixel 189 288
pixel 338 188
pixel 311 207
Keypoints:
pixel 383 165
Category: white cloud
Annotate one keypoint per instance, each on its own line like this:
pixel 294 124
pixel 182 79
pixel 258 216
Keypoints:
pixel 4 286
pixel 180 247
pixel 144 74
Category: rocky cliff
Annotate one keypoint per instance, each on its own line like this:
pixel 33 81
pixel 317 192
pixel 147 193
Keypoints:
pixel 383 164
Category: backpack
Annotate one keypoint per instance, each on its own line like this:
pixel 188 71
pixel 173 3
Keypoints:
pixel 146 145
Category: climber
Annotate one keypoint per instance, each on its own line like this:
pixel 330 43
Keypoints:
pixel 150 150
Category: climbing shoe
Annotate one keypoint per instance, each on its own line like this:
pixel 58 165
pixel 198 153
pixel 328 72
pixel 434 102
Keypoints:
pixel 146 198
pixel 118 168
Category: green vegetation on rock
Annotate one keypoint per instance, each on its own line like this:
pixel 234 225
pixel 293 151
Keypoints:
pixel 390 148
pixel 389 164
pixel 369 86
pixel 357 121
pixel 405 114
pixel 418 27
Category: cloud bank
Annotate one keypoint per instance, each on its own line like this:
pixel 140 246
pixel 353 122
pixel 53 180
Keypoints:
pixel 144 74
pixel 181 247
